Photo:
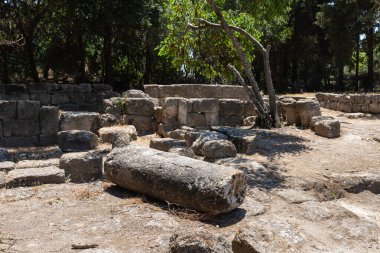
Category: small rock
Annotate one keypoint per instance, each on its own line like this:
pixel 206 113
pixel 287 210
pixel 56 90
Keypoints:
pixel 164 144
pixel 198 242
pixel 7 166
pixel 34 176
pixel 219 149
pixel 82 167
pixel 329 128
pixel 77 140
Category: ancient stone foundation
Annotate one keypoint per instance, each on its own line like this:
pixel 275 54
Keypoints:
pixel 350 103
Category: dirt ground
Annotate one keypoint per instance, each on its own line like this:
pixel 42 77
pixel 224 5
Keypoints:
pixel 283 203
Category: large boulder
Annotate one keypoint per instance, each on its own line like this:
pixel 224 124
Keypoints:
pixel 82 166
pixel 180 180
pixel 329 128
pixel 139 106
pixel 219 149
pixel 288 110
pixel 77 140
pixel 135 94
pixel 88 121
pixel 306 109
pixel 205 137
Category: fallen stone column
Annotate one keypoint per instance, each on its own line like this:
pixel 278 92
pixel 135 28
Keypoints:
pixel 179 180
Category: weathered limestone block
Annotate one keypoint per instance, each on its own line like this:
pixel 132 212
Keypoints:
pixel 77 98
pixel 181 180
pixel 85 87
pixel 151 90
pixel 135 94
pixel 59 98
pixel 7 109
pixel 49 118
pixel 108 120
pixel 38 87
pixel 120 139
pixel 183 151
pixel 28 109
pixel 34 176
pixel 98 87
pixel 184 108
pixel 48 139
pixel 212 118
pixel 375 99
pixel 166 91
pixel 2 179
pixel 114 106
pixel 306 109
pixel 77 140
pixel 219 149
pixel 205 105
pixel 28 127
pixel 7 166
pixel 249 109
pixel 82 166
pixel 16 96
pixel 164 144
pixel 356 108
pixel 230 107
pixel 197 90
pixel 106 134
pixel 181 90
pixel 288 110
pixel 139 106
pixel 43 98
pixel 157 114
pixel 19 141
pixel 231 120
pixel 228 91
pixel 315 119
pixel 365 108
pixel 170 112
pixel 344 107
pixel 25 164
pixel 88 121
pixel 374 108
pixel 143 123
pixel 357 98
pixel 205 137
pixel 329 128
pixel 198 242
pixel 196 120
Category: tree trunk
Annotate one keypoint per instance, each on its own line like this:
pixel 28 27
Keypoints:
pixel 370 77
pixel 340 78
pixel 271 91
pixel 357 55
pixel 107 51
pixel 29 48
pixel 82 60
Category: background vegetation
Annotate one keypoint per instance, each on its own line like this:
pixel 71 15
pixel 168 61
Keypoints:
pixel 315 44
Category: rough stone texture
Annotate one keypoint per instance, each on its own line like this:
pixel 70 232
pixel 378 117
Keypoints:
pixel 170 112
pixel 158 114
pixel 4 156
pixel 107 134
pixel 266 236
pixel 198 242
pixel 49 118
pixel 205 105
pixel 195 119
pixel 108 120
pixel 120 139
pixel 2 179
pixel 7 166
pixel 7 109
pixel 37 163
pixel 28 109
pixel 212 118
pixel 34 153
pixel 231 120
pixel 288 110
pixel 250 121
pixel 135 94
pixel 88 121
pixel 329 128
pixel 306 109
pixel 219 149
pixel 48 139
pixel 205 137
pixel 164 144
pixel 139 106
pixel 230 107
pixel 77 140
pixel 295 196
pixel 358 182
pixel 34 176
pixel 181 180
pixel 82 166
pixel 142 123
pixel 249 109
pixel 185 151
pixel 315 119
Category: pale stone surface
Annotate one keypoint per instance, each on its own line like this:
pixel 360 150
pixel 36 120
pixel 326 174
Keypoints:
pixel 295 196
pixel 181 180
pixel 142 123
pixel 205 105
pixel 34 176
pixel 306 109
pixel 37 163
pixel 7 166
pixel 88 121
pixel 120 139
pixel 106 134
pixel 288 110
pixel 204 137
pixel 230 107
pixel 135 94
pixel 139 106
pixel 329 128
pixel 218 149
pixel 82 166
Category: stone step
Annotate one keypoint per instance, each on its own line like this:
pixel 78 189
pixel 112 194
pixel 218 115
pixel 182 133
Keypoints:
pixel 33 177
pixel 34 153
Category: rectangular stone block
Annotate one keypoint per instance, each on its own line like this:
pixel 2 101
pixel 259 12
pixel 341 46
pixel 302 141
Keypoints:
pixel 101 87
pixel 249 109
pixel 16 88
pixel 14 96
pixel 69 107
pixel 139 106
pixel 158 114
pixel 49 117
pixel 152 90
pixel 231 120
pixel 356 107
pixel 170 111
pixel 43 98
pixel 24 141
pixel 196 119
pixel 28 109
pixel 166 91
pixel 59 98
pixel 358 99
pixel 48 140
pixel 229 91
pixel 205 105
pixel 230 107
pixel 77 98
pixel 184 107
pixel 29 127
pixel 374 108
pixel 365 108
pixel 38 87
pixel 141 123
pixel 212 118
pixel 85 87
pixel 7 109
pixel 181 90
pixel 213 91
pixel 375 99
pixel 197 90
pixel 344 107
